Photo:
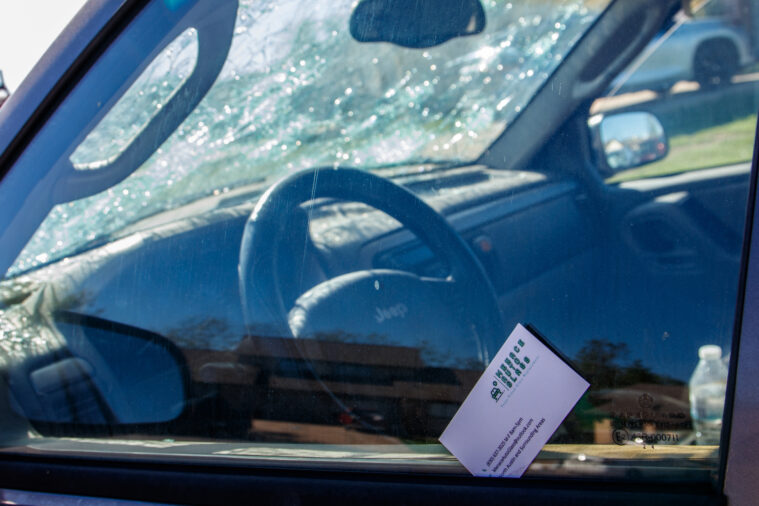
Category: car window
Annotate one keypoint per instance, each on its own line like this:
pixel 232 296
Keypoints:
pixel 698 78
pixel 306 264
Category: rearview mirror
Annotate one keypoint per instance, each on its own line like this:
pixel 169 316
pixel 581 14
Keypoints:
pixel 416 23
pixel 627 140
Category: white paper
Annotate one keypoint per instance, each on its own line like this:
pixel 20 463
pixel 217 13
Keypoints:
pixel 508 416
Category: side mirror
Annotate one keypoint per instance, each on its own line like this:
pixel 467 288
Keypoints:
pixel 627 140
pixel 104 377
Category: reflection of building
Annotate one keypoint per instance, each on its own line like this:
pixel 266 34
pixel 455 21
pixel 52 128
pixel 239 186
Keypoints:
pixel 371 388
pixel 643 408
pixel 330 391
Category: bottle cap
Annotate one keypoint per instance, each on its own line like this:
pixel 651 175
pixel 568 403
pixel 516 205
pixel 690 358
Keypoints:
pixel 710 352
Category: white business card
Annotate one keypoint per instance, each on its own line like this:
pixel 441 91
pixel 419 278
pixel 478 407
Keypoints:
pixel 514 408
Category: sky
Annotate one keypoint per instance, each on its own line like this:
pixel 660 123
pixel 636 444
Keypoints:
pixel 27 28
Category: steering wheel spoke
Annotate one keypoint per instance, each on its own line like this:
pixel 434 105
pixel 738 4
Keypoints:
pixel 447 289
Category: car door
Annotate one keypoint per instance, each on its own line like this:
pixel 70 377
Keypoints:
pixel 569 265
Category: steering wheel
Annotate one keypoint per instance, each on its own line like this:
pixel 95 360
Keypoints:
pixel 452 320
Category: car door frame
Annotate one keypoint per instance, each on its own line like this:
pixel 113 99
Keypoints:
pixel 738 470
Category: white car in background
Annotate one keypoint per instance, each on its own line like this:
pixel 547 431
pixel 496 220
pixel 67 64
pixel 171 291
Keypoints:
pixel 709 51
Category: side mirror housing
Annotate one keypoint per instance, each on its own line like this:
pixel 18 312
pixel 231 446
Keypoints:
pixel 627 140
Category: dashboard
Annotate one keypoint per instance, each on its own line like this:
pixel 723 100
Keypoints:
pixel 501 215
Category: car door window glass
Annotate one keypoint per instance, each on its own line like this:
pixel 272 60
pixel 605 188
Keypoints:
pixel 343 315
pixel 698 77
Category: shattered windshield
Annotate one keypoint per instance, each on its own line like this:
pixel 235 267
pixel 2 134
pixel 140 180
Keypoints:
pixel 297 91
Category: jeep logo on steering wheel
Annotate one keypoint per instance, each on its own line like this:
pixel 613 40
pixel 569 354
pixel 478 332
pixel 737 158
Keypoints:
pixel 397 311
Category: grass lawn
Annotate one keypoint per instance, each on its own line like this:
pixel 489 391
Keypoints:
pixel 712 147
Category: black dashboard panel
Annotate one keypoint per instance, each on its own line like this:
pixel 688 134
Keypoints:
pixel 518 224
pixel 509 235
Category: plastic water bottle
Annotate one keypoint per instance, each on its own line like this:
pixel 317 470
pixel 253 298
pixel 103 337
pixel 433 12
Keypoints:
pixel 707 394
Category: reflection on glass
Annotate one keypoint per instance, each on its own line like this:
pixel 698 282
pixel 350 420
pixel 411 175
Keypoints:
pixel 631 139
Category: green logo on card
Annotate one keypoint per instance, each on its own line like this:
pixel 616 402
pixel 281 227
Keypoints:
pixel 509 371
